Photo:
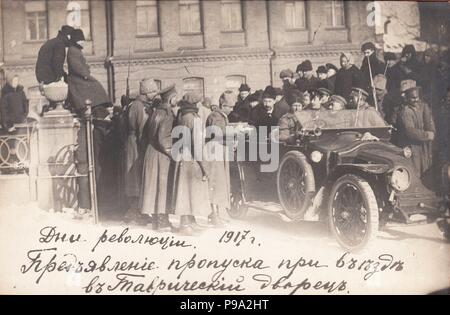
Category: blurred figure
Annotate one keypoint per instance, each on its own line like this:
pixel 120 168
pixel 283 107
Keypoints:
pixel 218 166
pixel 287 77
pixel 371 65
pixel 51 57
pixel 331 76
pixel 347 77
pixel 13 103
pixel 388 105
pixel 241 110
pixel 324 97
pixel 289 123
pixel 308 81
pixel 337 103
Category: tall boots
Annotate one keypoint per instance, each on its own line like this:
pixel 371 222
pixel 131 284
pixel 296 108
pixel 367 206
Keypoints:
pixel 161 222
pixel 186 228
pixel 214 218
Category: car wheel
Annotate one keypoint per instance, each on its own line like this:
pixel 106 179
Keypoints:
pixel 353 212
pixel 295 184
pixel 238 209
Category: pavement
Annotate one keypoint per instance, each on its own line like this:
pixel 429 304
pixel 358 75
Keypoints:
pixel 261 254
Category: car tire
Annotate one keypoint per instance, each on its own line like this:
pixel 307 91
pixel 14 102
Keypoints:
pixel 349 193
pixel 238 209
pixel 295 179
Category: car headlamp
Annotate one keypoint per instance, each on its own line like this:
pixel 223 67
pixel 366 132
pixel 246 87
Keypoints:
pixel 407 152
pixel 400 179
pixel 316 156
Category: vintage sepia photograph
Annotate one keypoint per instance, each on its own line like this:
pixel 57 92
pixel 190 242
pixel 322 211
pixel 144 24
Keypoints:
pixel 224 147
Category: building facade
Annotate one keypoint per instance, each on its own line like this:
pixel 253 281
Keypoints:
pixel 206 46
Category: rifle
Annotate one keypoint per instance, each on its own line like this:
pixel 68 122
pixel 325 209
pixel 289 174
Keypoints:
pixel 372 85
pixel 125 100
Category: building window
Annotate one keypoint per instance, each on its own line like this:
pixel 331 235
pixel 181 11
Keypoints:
pixel 194 85
pixel 147 17
pixel 295 15
pixel 233 82
pixel 79 16
pixel 231 15
pixel 190 21
pixel 36 20
pixel 158 84
pixel 335 14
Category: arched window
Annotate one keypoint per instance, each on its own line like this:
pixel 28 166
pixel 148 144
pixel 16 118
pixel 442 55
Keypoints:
pixel 194 85
pixel 233 82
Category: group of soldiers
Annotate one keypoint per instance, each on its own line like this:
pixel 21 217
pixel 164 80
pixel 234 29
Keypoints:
pixel 137 174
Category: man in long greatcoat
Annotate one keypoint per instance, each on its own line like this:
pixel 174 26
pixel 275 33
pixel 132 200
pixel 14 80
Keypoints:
pixel 191 180
pixel 137 115
pixel 417 130
pixel 155 195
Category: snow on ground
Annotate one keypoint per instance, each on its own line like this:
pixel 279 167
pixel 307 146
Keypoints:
pixel 401 260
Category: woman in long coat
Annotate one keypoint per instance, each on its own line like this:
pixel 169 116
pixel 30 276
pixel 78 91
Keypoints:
pixel 82 85
pixel 218 167
pixel 191 187
pixel 155 195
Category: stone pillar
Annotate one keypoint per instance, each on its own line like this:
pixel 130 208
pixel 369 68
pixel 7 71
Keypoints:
pixel 57 138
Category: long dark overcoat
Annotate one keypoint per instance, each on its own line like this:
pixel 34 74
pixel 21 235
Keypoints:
pixel 82 85
pixel 136 119
pixel 155 196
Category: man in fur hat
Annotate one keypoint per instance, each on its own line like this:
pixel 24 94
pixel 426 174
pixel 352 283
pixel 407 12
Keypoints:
pixel 51 57
pixel 241 110
pixel 416 129
pixel 308 81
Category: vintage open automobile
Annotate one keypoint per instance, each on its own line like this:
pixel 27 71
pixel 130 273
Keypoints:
pixel 354 178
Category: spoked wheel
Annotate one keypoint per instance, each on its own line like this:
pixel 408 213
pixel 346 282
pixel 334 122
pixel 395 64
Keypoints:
pixel 238 209
pixel 353 212
pixel 295 184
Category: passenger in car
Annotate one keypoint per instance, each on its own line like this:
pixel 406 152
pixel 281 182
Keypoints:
pixel 366 115
pixel 337 103
pixel 289 123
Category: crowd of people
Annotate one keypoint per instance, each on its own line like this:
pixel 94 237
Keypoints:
pixel 133 142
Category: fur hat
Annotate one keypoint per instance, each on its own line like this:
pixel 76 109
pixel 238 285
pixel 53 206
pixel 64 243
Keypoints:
pixel 306 65
pixel 409 49
pixel 76 35
pixel 322 69
pixel 407 85
pixel 244 87
pixel 379 82
pixel 331 66
pixel 286 73
pixel 367 46
pixel 269 92
pixel 389 56
pixel 147 85
pixel 67 30
pixel 294 96
pixel 192 98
